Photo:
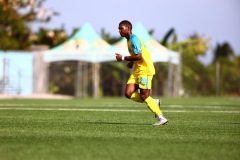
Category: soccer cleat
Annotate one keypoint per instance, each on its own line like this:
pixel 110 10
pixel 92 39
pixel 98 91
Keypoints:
pixel 158 102
pixel 161 121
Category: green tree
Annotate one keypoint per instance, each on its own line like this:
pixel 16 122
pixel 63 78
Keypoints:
pixel 221 53
pixel 191 47
pixel 192 69
pixel 108 38
pixel 51 38
pixel 15 16
pixel 167 37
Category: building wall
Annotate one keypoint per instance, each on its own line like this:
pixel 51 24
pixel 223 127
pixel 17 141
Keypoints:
pixel 16 73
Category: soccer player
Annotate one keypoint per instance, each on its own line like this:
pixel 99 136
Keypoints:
pixel 141 78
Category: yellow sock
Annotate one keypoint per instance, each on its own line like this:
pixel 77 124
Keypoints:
pixel 136 97
pixel 152 105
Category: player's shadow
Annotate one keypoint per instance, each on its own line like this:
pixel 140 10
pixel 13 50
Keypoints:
pixel 115 123
pixel 228 123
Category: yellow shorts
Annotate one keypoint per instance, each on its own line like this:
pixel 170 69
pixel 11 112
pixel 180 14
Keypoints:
pixel 143 81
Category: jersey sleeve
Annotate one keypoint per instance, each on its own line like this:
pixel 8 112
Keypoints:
pixel 136 45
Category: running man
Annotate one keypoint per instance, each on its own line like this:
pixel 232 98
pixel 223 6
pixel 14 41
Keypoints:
pixel 141 78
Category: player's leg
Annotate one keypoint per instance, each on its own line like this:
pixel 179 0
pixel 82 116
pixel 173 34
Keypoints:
pixel 151 103
pixel 145 85
pixel 131 90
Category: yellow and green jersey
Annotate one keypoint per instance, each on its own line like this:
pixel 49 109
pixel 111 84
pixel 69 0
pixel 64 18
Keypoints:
pixel 144 66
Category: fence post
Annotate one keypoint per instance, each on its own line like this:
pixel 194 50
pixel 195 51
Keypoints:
pixel 40 70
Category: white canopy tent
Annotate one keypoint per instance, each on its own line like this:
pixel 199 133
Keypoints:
pixel 87 46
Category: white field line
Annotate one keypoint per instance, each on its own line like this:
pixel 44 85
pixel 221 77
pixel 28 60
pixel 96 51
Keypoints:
pixel 115 106
pixel 109 110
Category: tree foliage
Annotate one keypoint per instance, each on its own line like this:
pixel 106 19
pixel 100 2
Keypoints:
pixel 226 69
pixel 107 37
pixel 15 17
pixel 171 34
pixel 48 37
pixel 222 51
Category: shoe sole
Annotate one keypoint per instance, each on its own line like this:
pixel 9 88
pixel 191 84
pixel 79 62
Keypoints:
pixel 166 123
pixel 158 124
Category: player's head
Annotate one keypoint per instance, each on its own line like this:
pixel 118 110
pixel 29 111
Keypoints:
pixel 125 28
pixel 126 23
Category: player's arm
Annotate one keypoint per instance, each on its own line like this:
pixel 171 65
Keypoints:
pixel 119 57
pixel 130 64
pixel 136 46
pixel 135 57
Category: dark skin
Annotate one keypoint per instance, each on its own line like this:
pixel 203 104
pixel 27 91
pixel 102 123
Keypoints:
pixel 125 31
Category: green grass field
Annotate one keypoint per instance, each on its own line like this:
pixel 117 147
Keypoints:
pixel 119 129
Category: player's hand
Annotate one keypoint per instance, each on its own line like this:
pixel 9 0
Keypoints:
pixel 130 64
pixel 118 57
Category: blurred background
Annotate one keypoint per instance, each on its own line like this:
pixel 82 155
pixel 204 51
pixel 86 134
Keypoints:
pixel 205 34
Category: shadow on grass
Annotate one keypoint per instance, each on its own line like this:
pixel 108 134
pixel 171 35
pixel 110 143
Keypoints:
pixel 115 123
pixel 228 123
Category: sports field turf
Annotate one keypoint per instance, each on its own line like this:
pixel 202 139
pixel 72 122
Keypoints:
pixel 119 129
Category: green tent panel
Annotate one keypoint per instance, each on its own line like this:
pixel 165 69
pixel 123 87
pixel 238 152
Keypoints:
pixel 82 46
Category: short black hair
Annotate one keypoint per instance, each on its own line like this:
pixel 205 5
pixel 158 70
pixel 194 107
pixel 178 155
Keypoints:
pixel 127 23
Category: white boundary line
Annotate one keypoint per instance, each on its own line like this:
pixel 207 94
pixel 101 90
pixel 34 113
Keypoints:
pixel 110 110
pixel 116 106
